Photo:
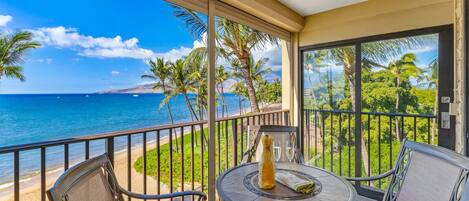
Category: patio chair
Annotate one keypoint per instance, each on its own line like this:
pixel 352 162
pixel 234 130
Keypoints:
pixel 284 140
pixel 94 180
pixel 426 173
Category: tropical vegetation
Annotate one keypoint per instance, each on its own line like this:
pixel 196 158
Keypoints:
pixel 391 83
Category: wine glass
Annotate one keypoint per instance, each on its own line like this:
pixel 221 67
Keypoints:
pixel 290 150
pixel 277 150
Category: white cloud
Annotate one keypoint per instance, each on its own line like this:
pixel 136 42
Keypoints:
pixel 115 73
pixel 5 19
pixel 427 48
pixel 118 47
pixel 146 83
pixel 45 60
pixel 273 53
pixel 101 47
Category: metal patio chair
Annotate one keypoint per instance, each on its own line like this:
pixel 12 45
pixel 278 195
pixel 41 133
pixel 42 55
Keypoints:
pixel 426 173
pixel 285 141
pixel 94 180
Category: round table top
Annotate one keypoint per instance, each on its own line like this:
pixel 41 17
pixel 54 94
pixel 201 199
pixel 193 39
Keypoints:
pixel 231 185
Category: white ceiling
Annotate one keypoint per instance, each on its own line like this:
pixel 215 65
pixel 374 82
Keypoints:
pixel 309 7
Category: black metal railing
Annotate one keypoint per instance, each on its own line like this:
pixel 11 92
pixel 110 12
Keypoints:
pixel 231 143
pixel 329 140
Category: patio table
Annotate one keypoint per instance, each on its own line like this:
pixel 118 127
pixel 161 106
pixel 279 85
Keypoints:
pixel 240 183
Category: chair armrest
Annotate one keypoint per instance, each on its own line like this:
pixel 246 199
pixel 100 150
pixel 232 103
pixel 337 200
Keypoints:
pixel 373 178
pixel 201 195
pixel 246 156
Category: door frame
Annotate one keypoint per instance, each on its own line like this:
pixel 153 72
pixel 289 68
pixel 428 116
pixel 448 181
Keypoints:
pixel 357 43
pixel 466 55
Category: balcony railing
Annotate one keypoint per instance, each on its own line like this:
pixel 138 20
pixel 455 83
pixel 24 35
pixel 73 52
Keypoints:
pixel 329 140
pixel 231 143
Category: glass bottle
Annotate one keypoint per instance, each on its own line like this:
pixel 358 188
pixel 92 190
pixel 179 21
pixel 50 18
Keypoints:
pixel 267 164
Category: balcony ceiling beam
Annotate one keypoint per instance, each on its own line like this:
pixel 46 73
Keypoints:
pixel 271 11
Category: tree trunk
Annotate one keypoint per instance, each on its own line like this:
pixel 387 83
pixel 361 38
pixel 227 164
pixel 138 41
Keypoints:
pixel 246 71
pixel 315 100
pixel 435 108
pixel 398 97
pixel 223 103
pixel 189 106
pixel 172 122
pixel 168 108
pixel 352 91
pixel 350 78
pixel 240 106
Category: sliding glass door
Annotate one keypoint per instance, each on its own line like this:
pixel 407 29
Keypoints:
pixel 363 97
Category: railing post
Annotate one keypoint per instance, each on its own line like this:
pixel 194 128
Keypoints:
pixel 66 159
pixel 234 130
pixel 285 118
pixel 16 176
pixel 110 149
pixel 43 173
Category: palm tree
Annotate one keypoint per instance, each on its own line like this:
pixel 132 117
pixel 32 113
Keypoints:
pixel 433 83
pixel 237 41
pixel 196 62
pixel 159 73
pixel 313 61
pixel 220 78
pixel 401 70
pixel 258 70
pixel 12 50
pixel 182 83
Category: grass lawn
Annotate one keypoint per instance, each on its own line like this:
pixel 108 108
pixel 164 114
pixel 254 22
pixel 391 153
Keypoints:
pixel 223 155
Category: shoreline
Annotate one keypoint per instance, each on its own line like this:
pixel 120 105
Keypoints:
pixel 30 186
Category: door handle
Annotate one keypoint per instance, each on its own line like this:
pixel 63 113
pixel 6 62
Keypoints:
pixel 445 120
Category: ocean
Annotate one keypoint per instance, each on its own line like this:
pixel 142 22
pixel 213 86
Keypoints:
pixel 36 118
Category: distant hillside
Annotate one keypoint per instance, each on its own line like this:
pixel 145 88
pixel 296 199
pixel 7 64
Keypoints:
pixel 141 89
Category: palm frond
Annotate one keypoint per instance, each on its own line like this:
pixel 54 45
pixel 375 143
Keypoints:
pixel 194 23
pixel 14 72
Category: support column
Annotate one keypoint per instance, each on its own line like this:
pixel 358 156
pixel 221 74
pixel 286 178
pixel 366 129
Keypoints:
pixel 460 75
pixel 211 100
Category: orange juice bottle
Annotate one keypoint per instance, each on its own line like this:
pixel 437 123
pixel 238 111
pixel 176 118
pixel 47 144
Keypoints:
pixel 267 164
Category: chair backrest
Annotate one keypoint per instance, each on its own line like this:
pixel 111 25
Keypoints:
pixel 428 173
pixel 92 179
pixel 285 143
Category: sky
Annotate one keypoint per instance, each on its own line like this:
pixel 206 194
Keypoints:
pixel 425 53
pixel 90 46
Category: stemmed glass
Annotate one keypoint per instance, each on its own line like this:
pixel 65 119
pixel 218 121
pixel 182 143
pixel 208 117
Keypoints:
pixel 277 150
pixel 290 150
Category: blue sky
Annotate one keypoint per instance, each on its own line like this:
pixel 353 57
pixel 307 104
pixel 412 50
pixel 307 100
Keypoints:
pixel 90 45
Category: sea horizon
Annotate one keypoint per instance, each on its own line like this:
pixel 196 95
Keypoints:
pixel 33 118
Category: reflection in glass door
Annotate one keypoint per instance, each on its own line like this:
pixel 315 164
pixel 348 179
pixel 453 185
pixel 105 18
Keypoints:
pixel 356 116
pixel 329 102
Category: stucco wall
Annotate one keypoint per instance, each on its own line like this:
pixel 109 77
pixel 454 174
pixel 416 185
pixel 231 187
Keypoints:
pixel 375 17
pixel 460 76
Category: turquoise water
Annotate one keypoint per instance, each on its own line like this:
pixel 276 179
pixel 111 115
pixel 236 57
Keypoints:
pixel 34 118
